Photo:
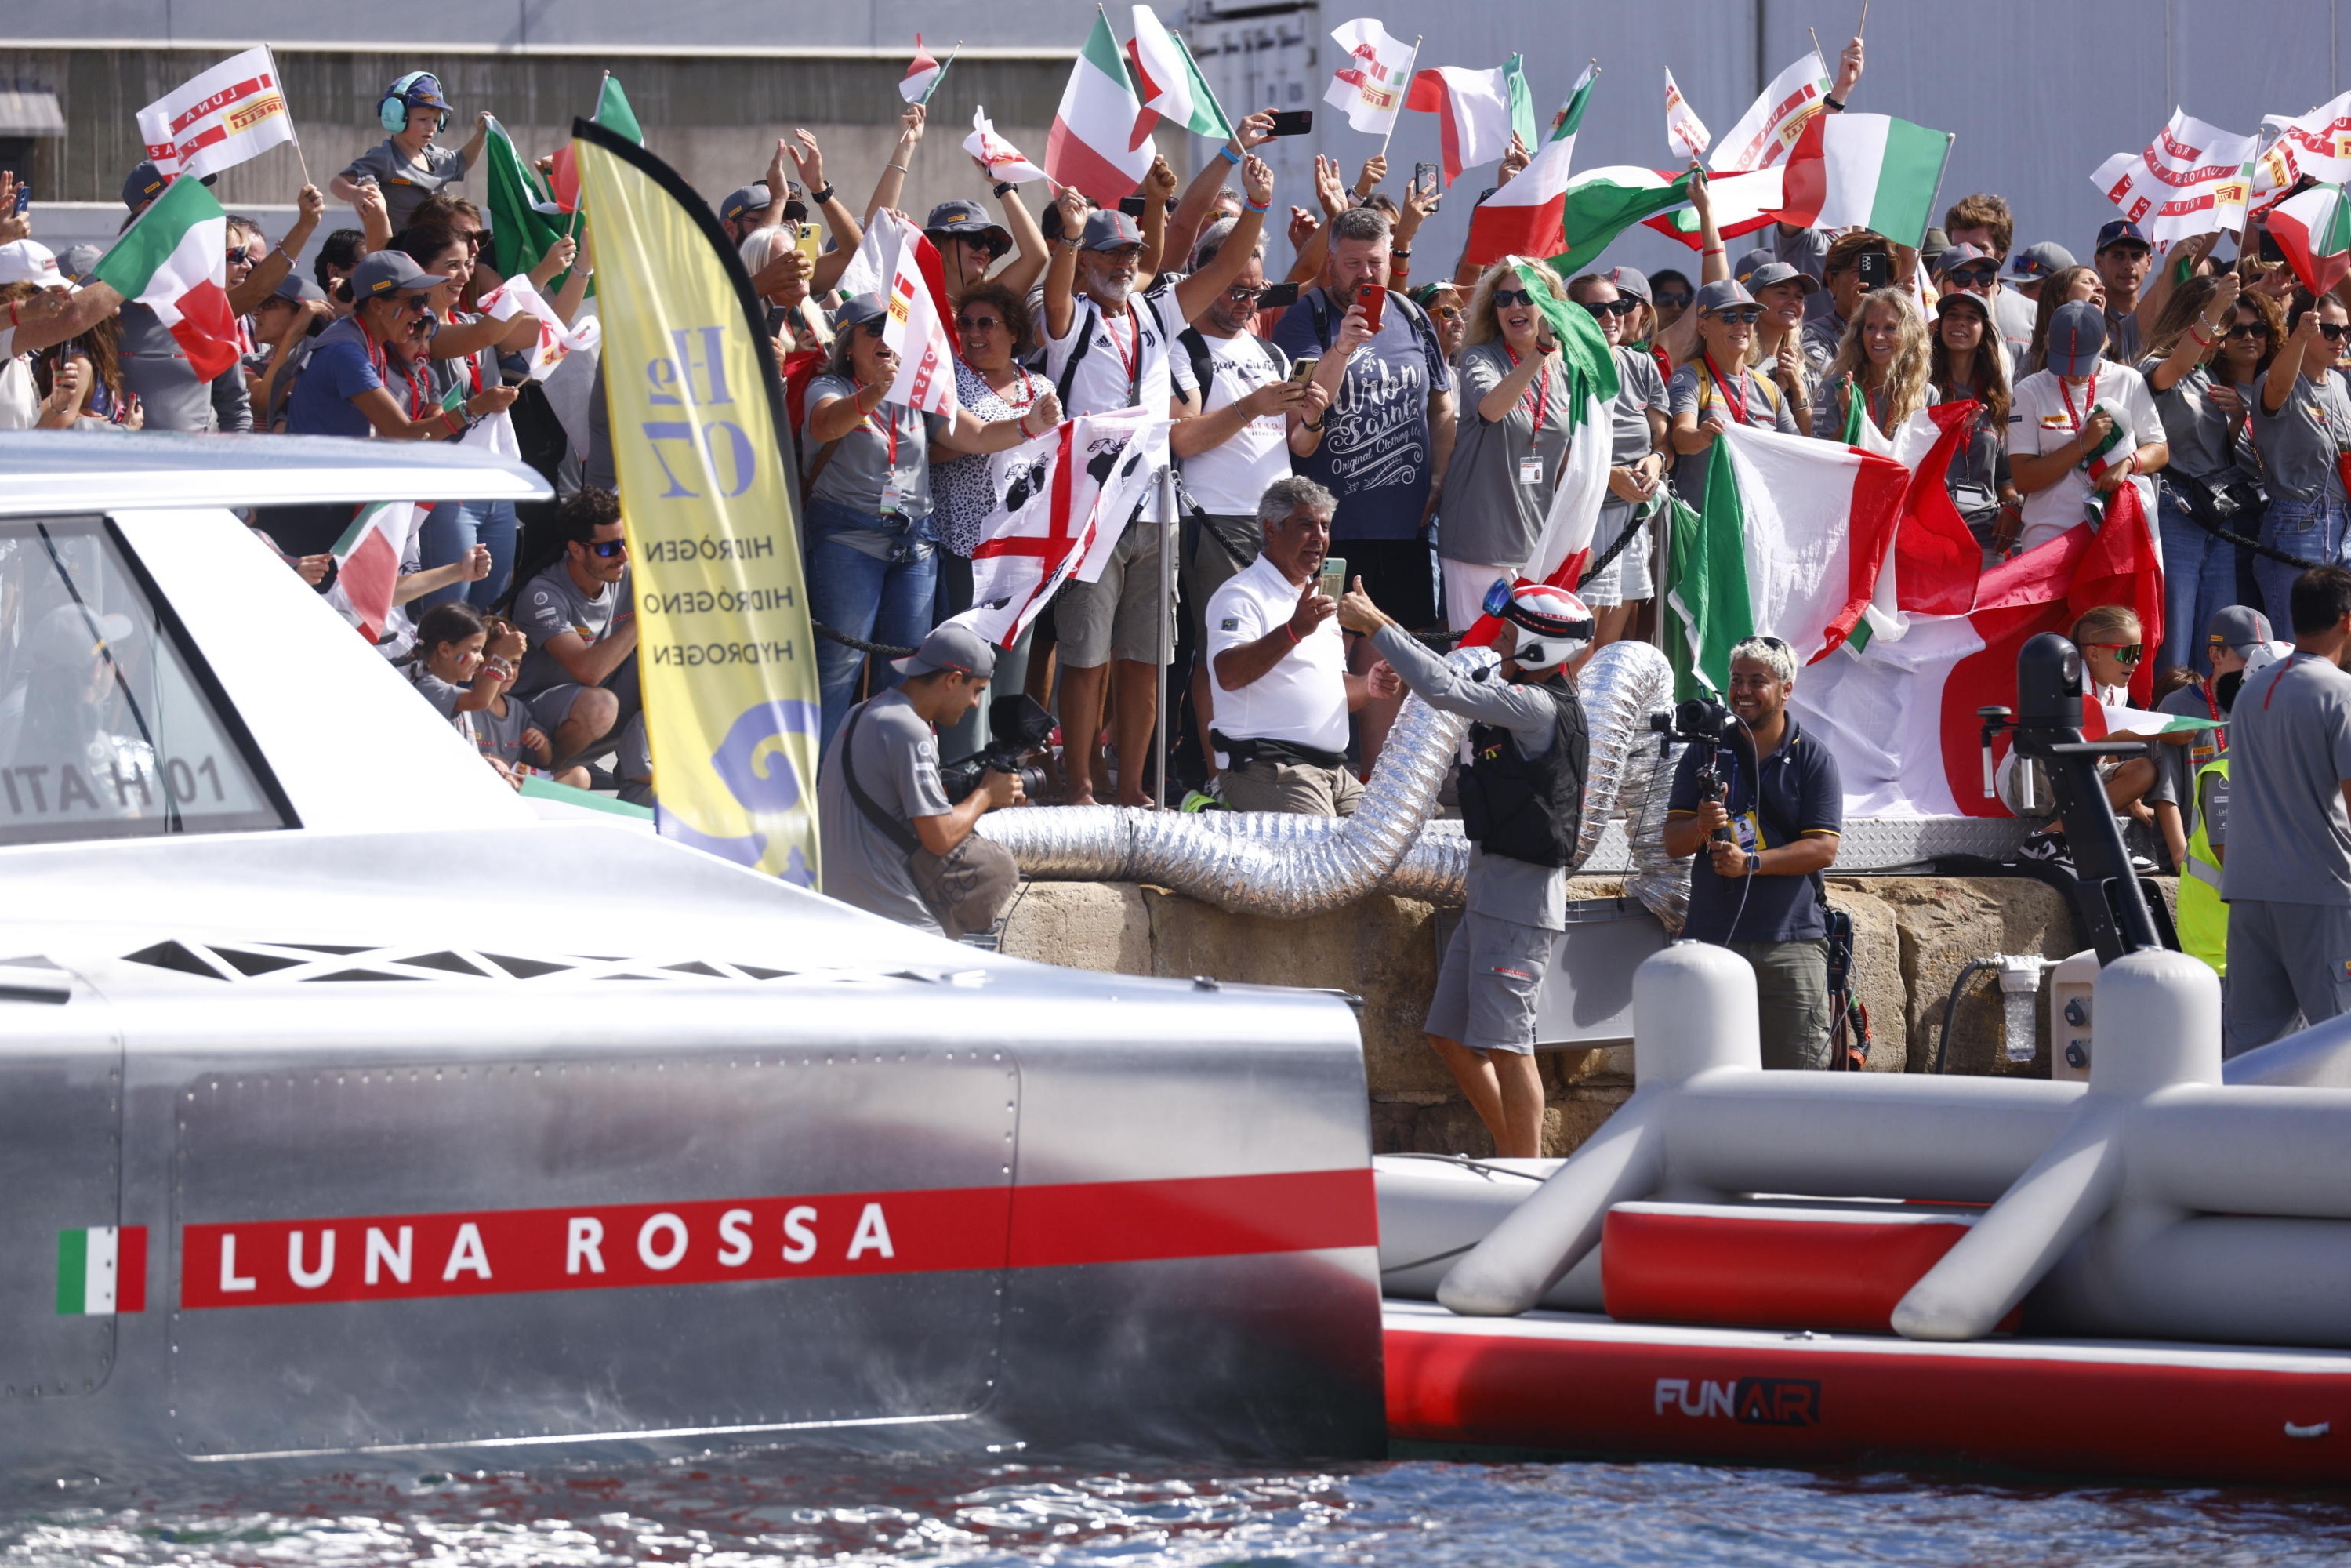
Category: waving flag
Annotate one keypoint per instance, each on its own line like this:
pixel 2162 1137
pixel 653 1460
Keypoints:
pixel 219 117
pixel 1524 216
pixel 1006 164
pixel 922 77
pixel 1686 133
pixel 1742 204
pixel 1170 82
pixel 1767 132
pixel 367 563
pixel 613 113
pixel 1564 546
pixel 1864 170
pixel 2314 229
pixel 516 296
pixel 2191 181
pixel 1057 498
pixel 1371 74
pixel 916 330
pixel 2317 143
pixel 1098 142
pixel 173 259
pixel 1476 107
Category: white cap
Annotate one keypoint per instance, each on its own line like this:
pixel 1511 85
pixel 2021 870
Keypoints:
pixel 30 261
pixel 2261 655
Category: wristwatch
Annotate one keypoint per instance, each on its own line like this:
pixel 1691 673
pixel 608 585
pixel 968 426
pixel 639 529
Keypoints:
pixel 821 197
pixel 1003 189
pixel 1754 863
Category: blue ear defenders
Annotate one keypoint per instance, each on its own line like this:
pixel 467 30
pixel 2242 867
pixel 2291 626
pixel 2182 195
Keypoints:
pixel 393 112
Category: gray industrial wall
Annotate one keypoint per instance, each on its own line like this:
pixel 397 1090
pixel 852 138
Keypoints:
pixel 2038 93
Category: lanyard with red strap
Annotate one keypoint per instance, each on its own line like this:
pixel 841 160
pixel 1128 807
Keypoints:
pixel 1130 359
pixel 1722 389
pixel 2283 671
pixel 1537 394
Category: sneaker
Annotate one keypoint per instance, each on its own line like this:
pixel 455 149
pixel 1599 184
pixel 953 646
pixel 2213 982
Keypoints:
pixel 1201 800
pixel 2049 847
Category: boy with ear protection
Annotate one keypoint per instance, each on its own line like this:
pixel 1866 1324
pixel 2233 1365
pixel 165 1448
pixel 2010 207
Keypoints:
pixel 409 165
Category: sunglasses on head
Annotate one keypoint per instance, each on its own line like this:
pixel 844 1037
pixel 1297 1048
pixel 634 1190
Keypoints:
pixel 608 549
pixel 1738 314
pixel 1505 298
pixel 1612 307
pixel 2250 330
pixel 1670 298
pixel 2123 653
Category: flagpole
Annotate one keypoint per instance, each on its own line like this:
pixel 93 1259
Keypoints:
pixel 1816 41
pixel 1863 25
pixel 1407 87
pixel 943 71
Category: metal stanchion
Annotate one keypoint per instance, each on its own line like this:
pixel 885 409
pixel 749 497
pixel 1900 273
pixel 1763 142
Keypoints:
pixel 1169 534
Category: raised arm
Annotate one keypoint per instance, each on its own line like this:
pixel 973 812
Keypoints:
pixel 1062 273
pixel 1159 184
pixel 471 152
pixel 1680 339
pixel 2199 340
pixel 1200 290
pixel 847 233
pixel 1191 215
pixel 893 183
pixel 1028 256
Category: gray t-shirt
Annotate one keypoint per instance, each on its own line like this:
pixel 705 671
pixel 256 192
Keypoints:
pixel 1759 402
pixel 1498 885
pixel 2122 337
pixel 1499 484
pixel 2289 752
pixel 156 368
pixel 1639 388
pixel 2014 314
pixel 551 604
pixel 2175 766
pixel 2203 440
pixel 405 184
pixel 2298 443
pixel 500 735
pixel 865 462
pixel 897 763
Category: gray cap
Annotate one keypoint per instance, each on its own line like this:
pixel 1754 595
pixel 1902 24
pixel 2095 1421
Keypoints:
pixel 950 646
pixel 384 272
pixel 2238 627
pixel 1630 280
pixel 2077 337
pixel 77 260
pixel 858 309
pixel 1934 240
pixel 965 219
pixel 2035 262
pixel 298 288
pixel 1966 296
pixel 1107 228
pixel 742 200
pixel 1722 293
pixel 1957 255
pixel 1760 269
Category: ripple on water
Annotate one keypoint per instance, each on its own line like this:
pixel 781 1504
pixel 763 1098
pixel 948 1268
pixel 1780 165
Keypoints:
pixel 785 1508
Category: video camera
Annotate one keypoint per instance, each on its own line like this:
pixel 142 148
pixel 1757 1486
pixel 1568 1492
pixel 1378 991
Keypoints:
pixel 1700 722
pixel 1021 726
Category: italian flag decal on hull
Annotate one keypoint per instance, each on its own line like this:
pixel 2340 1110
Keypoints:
pixel 103 1270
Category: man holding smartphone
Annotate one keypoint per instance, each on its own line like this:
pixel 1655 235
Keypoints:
pixel 1283 690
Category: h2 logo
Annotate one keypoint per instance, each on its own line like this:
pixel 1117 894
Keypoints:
pixel 692 378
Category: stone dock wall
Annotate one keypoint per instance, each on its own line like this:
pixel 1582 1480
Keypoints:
pixel 1912 936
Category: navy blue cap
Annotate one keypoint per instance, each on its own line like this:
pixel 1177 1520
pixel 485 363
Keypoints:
pixel 146 182
pixel 2122 231
pixel 2077 337
pixel 424 92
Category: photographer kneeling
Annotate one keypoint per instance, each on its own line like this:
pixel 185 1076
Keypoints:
pixel 1769 801
pixel 1522 806
pixel 892 843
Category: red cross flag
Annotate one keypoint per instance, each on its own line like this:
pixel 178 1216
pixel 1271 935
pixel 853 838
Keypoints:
pixel 1060 499
pixel 219 119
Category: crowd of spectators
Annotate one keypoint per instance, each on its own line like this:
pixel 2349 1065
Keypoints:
pixel 1334 412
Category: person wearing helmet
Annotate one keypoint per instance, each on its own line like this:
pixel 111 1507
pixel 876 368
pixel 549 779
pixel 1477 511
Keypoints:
pixel 1765 802
pixel 1522 808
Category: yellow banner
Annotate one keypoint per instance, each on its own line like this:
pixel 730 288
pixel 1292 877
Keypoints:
pixel 724 651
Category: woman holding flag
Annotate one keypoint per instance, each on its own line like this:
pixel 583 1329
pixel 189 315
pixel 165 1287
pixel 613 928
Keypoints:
pixel 1510 442
pixel 1715 389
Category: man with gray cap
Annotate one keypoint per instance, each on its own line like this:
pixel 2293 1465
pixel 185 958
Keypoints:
pixel 879 801
pixel 2081 427
pixel 2232 636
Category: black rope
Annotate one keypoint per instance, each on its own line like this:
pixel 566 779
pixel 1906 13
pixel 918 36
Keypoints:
pixel 2242 542
pixel 863 646
pixel 1632 530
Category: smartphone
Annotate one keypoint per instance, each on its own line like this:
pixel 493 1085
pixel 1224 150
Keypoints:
pixel 1424 177
pixel 1293 121
pixel 811 242
pixel 1876 268
pixel 1133 206
pixel 1278 297
pixel 1373 298
pixel 24 197
pixel 1303 370
pixel 1334 577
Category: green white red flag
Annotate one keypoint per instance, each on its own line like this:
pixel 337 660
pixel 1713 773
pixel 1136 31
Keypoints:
pixel 103 1270
pixel 173 259
pixel 1524 217
pixel 366 564
pixel 2314 229
pixel 1169 82
pixel 1864 170
pixel 922 76
pixel 1101 142
pixel 2101 719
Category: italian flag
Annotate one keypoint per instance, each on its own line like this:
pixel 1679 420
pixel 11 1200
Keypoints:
pixel 1598 205
pixel 613 113
pixel 2101 719
pixel 922 78
pixel 367 563
pixel 1900 712
pixel 2314 229
pixel 1791 543
pixel 1475 111
pixel 103 1270
pixel 1172 87
pixel 1524 216
pixel 1099 142
pixel 523 217
pixel 1864 170
pixel 1742 204
pixel 173 259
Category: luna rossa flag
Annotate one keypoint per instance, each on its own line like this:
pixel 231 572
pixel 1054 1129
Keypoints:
pixel 724 653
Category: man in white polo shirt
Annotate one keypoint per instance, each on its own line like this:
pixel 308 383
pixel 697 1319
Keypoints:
pixel 1283 693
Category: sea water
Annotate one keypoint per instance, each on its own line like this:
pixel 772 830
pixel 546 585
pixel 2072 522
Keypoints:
pixel 781 1507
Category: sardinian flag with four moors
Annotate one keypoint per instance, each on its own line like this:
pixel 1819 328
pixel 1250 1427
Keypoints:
pixel 1062 502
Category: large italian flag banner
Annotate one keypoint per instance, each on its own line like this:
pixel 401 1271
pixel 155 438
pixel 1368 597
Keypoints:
pixel 1099 142
pixel 173 259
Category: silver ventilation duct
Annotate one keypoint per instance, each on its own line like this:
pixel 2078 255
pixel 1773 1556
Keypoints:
pixel 1293 866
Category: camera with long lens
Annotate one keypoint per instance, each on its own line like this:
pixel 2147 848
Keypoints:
pixel 1700 722
pixel 1021 726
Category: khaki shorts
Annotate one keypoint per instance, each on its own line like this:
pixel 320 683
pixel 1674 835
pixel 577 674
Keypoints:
pixel 1486 987
pixel 1113 618
pixel 1295 789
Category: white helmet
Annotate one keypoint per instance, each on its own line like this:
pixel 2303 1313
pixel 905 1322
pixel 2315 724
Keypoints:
pixel 1553 625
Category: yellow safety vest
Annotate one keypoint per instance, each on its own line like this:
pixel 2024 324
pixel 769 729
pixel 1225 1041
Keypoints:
pixel 2203 915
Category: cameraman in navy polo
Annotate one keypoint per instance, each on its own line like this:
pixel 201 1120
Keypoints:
pixel 1769 827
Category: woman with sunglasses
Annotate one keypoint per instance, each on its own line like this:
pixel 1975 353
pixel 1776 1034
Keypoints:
pixel 1511 436
pixel 1879 374
pixel 2302 424
pixel 1966 363
pixel 369 374
pixel 1637 456
pixel 970 245
pixel 2208 484
pixel 463 349
pixel 1442 302
pixel 1716 389
pixel 873 569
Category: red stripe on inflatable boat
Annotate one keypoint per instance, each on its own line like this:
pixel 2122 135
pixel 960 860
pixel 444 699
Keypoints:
pixel 1793 1404
pixel 1737 1271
